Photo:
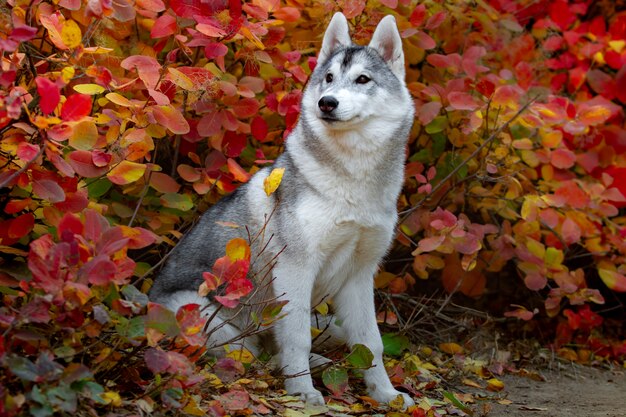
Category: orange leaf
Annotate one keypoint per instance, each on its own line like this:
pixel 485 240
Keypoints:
pixel 163 183
pixel 238 172
pixel 451 348
pixel 126 172
pixel 171 118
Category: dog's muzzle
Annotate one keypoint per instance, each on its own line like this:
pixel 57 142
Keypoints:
pixel 327 104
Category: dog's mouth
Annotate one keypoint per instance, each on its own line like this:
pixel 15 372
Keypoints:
pixel 334 120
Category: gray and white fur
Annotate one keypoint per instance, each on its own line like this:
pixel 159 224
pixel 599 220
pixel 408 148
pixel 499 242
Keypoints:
pixel 333 217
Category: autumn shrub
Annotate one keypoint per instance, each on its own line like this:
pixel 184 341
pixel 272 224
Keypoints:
pixel 121 121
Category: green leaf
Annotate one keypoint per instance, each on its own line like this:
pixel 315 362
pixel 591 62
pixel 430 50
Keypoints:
pixel 63 398
pixel 182 202
pixel 456 402
pixel 360 357
pixel 22 368
pixel 423 156
pixel 394 344
pixel 162 319
pixel 99 188
pixel 438 124
pixel 439 144
pixel 335 379
pixel 131 293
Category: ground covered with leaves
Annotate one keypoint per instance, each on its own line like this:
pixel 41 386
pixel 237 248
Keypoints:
pixel 121 121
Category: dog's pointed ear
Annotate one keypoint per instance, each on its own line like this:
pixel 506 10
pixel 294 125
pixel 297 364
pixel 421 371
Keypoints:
pixel 387 42
pixel 337 35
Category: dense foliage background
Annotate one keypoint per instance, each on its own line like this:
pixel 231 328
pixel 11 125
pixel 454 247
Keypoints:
pixel 121 120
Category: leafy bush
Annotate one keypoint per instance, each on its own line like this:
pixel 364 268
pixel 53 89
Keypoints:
pixel 122 114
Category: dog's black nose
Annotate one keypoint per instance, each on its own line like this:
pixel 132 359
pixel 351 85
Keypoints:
pixel 327 104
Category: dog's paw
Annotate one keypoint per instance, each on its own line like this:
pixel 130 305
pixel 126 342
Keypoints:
pixel 391 397
pixel 312 397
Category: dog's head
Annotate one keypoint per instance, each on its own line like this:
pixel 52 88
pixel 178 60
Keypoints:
pixel 354 85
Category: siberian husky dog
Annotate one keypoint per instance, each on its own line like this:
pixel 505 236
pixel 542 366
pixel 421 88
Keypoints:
pixel 331 220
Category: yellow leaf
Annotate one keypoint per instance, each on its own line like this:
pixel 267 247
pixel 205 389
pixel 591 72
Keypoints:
pixel 536 248
pixel 67 74
pixel 471 383
pixel 383 279
pixel 238 353
pixel 494 384
pixel 251 37
pixel 126 172
pixel 112 398
pixel 193 409
pixel 84 135
pixel 271 183
pixel 618 45
pixel 97 50
pixel 238 249
pixel 451 348
pixel 554 257
pixel 89 89
pixel 71 34
pixel 120 100
pixel 322 308
pixel 181 80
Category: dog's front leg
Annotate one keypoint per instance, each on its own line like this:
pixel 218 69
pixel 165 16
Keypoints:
pixel 354 305
pixel 293 332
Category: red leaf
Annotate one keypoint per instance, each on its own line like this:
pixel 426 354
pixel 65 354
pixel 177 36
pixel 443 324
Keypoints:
pixel 148 69
pixel 428 111
pixel 138 237
pixel 562 158
pixel 49 95
pixel 463 101
pixel 27 151
pixel 214 50
pixel 292 14
pixel 246 107
pixel 99 271
pixel 424 41
pixel 435 20
pixel 95 225
pixel 351 8
pixel 15 206
pixel 620 85
pixel 23 33
pixel 418 15
pixel 76 107
pixel 233 144
pixel 210 124
pixel 535 281
pixel 392 4
pixel 74 202
pixel 82 163
pixel 164 26
pixel 69 225
pixel 192 323
pixel 570 231
pixel 21 226
pixel 100 158
pixel 48 190
pixel 259 128
pixel 234 291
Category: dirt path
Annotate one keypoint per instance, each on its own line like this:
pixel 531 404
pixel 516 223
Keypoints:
pixel 568 392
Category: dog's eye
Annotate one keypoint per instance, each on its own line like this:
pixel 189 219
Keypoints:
pixel 329 78
pixel 363 79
